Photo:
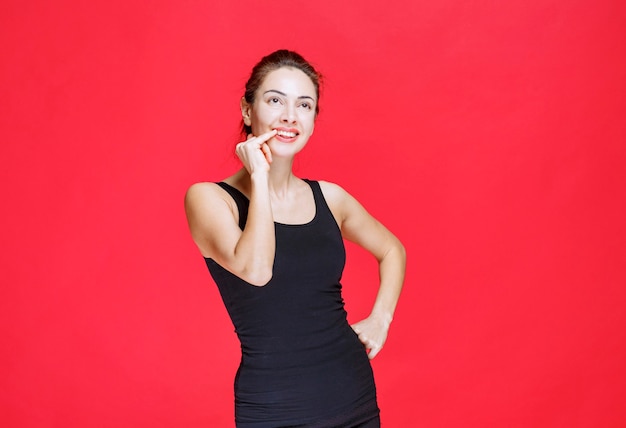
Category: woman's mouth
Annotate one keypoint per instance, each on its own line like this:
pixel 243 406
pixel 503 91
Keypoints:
pixel 286 135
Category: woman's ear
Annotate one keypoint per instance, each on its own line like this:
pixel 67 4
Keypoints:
pixel 246 110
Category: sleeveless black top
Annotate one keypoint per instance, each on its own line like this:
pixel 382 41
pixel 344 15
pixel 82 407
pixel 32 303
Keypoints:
pixel 302 364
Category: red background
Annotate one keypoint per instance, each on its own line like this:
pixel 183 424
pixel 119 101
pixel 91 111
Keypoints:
pixel 489 136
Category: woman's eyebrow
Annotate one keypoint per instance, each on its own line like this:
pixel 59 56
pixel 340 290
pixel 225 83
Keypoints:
pixel 284 95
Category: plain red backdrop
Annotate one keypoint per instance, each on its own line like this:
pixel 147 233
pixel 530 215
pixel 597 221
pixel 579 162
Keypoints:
pixel 489 136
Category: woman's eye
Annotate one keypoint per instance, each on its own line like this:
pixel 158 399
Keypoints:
pixel 274 100
pixel 306 106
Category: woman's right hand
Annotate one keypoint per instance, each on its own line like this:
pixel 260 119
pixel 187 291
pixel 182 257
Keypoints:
pixel 254 153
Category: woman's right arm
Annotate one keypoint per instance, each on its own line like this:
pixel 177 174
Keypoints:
pixel 249 254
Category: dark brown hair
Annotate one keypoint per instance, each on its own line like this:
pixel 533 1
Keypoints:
pixel 274 61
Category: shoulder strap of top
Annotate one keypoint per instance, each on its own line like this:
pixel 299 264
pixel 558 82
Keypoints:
pixel 241 201
pixel 315 187
pixel 321 205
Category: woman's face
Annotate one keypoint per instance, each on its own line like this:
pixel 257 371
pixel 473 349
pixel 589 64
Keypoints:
pixel 285 101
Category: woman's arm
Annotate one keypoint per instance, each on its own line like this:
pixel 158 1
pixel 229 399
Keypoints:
pixel 358 226
pixel 249 254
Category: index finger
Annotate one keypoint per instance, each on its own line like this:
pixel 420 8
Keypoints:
pixel 267 135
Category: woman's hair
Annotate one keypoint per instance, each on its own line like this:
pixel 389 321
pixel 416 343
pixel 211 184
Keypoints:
pixel 274 61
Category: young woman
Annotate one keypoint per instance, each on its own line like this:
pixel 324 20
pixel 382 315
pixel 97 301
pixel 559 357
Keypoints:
pixel 273 243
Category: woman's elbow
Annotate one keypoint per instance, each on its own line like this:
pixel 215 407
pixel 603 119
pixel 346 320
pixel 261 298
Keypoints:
pixel 402 249
pixel 397 251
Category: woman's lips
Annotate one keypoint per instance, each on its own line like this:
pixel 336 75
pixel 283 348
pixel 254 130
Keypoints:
pixel 286 135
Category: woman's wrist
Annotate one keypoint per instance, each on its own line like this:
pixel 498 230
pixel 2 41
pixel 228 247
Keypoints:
pixel 383 316
pixel 258 177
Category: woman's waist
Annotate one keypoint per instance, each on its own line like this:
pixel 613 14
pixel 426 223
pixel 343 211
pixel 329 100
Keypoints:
pixel 285 350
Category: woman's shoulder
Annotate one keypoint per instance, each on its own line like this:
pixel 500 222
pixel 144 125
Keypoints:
pixel 211 189
pixel 331 189
pixel 202 189
pixel 208 203
pixel 203 195
pixel 334 194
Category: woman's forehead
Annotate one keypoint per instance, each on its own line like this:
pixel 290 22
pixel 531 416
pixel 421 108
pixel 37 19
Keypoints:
pixel 289 81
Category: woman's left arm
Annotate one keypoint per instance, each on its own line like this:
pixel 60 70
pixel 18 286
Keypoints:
pixel 358 226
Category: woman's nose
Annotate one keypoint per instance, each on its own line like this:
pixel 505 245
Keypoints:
pixel 289 114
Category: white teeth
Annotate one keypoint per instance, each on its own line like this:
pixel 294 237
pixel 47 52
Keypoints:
pixel 286 134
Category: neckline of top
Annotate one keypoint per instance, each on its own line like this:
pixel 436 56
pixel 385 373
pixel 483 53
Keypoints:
pixel 315 200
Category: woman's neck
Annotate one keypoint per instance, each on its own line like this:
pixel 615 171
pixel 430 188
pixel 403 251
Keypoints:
pixel 281 179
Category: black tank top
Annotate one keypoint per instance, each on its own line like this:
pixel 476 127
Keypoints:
pixel 302 364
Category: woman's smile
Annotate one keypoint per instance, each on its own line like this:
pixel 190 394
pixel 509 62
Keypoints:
pixel 286 135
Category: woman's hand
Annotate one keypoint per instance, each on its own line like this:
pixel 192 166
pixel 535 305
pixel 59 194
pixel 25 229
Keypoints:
pixel 372 332
pixel 254 153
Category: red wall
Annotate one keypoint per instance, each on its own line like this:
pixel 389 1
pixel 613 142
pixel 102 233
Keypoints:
pixel 489 136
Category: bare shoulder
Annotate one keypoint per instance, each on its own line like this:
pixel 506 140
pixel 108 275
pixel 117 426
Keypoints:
pixel 341 203
pixel 212 217
pixel 206 198
pixel 200 191
pixel 333 193
pixel 356 224
pixel 336 196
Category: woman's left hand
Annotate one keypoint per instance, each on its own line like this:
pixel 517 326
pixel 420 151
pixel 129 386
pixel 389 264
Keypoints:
pixel 372 332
